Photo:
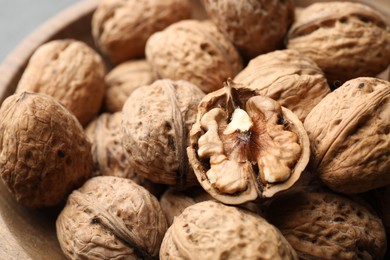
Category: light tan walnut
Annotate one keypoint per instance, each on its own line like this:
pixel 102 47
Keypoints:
pixel 345 39
pixel 121 27
pixel 109 157
pixel 212 230
pixel 123 79
pixel 44 153
pixel 156 122
pixel 111 218
pixel 324 225
pixel 195 51
pixel 349 136
pixel 288 77
pixel 244 146
pixel 70 71
pixel 255 27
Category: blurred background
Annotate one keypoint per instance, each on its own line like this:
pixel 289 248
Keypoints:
pixel 19 18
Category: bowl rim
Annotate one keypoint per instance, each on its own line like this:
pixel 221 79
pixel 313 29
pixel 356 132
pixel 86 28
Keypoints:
pixel 15 61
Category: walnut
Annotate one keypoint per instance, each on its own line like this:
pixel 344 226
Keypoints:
pixel 173 202
pixel 195 51
pixel 70 71
pixel 325 225
pixel 121 28
pixel 44 153
pixel 288 77
pixel 111 218
pixel 123 79
pixel 244 146
pixel 348 132
pixel 346 40
pixel 255 27
pixel 211 230
pixel 155 124
pixel 109 157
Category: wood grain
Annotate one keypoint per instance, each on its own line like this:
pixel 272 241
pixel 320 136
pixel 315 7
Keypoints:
pixel 30 234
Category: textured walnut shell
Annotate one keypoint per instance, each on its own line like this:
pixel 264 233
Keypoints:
pixel 173 202
pixel 111 218
pixel 109 157
pixel 287 76
pixel 255 27
pixel 123 79
pixel 251 184
pixel 346 40
pixel 195 51
pixel 212 230
pixel 156 122
pixel 349 136
pixel 324 225
pixel 71 72
pixel 121 28
pixel 44 153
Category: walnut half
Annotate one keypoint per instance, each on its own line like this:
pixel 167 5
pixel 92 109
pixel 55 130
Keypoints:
pixel 245 146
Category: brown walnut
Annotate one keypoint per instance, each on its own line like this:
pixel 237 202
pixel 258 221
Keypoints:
pixel 109 157
pixel 288 77
pixel 325 225
pixel 255 27
pixel 70 71
pixel 44 153
pixel 111 218
pixel 156 122
pixel 123 79
pixel 212 230
pixel 348 132
pixel 121 27
pixel 345 39
pixel 195 51
pixel 244 146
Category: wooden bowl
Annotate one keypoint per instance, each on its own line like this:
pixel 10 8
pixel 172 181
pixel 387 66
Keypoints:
pixel 30 234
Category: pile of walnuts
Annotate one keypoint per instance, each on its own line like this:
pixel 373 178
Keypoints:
pixel 258 131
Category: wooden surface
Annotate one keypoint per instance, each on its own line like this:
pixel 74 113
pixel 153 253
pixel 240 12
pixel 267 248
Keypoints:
pixel 30 234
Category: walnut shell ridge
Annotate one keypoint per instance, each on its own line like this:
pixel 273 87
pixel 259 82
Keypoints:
pixel 347 40
pixel 70 71
pixel 350 141
pixel 121 28
pixel 111 218
pixel 255 27
pixel 287 76
pixel 195 51
pixel 326 225
pixel 216 231
pixel 109 157
pixel 44 153
pixel 156 120
pixel 123 79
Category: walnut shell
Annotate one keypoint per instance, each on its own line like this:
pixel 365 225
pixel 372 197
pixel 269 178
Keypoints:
pixel 349 135
pixel 195 51
pixel 288 77
pixel 173 202
pixel 111 218
pixel 255 27
pixel 121 28
pixel 70 71
pixel 244 146
pixel 44 153
pixel 325 225
pixel 346 40
pixel 211 230
pixel 109 157
pixel 123 79
pixel 155 124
